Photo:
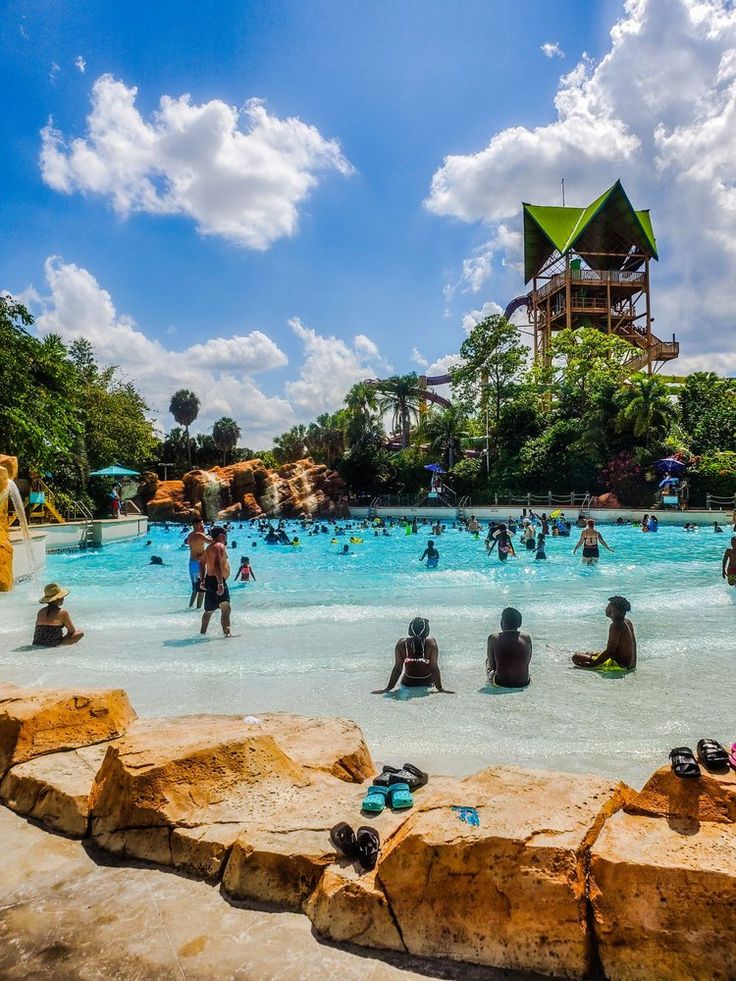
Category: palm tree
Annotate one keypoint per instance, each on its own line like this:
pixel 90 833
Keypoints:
pixel 401 396
pixel 292 445
pixel 184 407
pixel 444 430
pixel 326 437
pixel 648 409
pixel 362 405
pixel 226 433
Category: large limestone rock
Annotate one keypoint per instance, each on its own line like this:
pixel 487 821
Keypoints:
pixel 245 490
pixel 55 789
pixel 663 893
pixel 334 746
pixel 511 892
pixel 184 792
pixel 349 907
pixel 37 721
pixel 711 797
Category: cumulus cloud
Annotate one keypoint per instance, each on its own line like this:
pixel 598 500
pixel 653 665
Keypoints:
pixel 418 358
pixel 551 49
pixel 330 367
pixel 244 183
pixel 219 370
pixel 658 111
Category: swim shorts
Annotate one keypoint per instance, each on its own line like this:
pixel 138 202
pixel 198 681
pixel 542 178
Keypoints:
pixel 731 578
pixel 194 572
pixel 212 599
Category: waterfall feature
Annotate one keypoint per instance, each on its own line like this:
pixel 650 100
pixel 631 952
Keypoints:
pixel 211 496
pixel 25 532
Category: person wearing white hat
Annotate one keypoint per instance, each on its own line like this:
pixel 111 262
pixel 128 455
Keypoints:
pixel 54 626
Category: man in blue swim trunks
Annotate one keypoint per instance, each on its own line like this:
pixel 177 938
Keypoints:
pixel 197 541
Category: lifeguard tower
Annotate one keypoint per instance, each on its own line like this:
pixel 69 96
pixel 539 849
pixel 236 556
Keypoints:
pixel 589 267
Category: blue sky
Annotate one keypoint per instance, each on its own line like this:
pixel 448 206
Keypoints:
pixel 346 236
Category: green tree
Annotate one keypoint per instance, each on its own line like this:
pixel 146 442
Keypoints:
pixel 292 445
pixel 584 361
pixel 445 430
pixel 40 405
pixel 708 406
pixel 647 410
pixel 492 357
pixel 362 413
pixel 184 407
pixel 325 437
pixel 226 433
pixel 400 397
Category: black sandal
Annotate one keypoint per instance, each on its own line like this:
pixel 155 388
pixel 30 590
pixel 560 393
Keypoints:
pixel 408 774
pixel 369 845
pixel 684 763
pixel 712 755
pixel 342 837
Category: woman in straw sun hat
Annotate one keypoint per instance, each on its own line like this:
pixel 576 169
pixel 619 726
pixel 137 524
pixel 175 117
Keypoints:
pixel 53 625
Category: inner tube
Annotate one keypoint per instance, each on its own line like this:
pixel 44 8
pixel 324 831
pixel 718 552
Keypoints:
pixel 356 541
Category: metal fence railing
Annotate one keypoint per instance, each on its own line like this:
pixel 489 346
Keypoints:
pixel 713 503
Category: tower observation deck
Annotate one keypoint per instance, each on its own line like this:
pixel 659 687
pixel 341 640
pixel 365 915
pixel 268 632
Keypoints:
pixel 589 267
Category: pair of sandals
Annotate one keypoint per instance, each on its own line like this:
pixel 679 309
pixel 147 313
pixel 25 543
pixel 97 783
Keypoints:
pixel 711 754
pixel 394 786
pixel 362 845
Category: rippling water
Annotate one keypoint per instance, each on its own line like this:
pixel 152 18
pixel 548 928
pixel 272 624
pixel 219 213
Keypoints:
pixel 316 632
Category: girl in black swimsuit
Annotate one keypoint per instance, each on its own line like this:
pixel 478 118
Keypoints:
pixel 589 539
pixel 415 660
pixel 51 623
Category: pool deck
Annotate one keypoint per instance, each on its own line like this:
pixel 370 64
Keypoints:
pixel 66 912
pixel 700 516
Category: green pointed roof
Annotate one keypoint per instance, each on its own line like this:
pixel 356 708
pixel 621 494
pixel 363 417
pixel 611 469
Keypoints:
pixel 608 225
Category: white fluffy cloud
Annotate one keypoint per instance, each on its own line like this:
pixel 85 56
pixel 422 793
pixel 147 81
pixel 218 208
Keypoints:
pixel 220 370
pixel 551 49
pixel 80 63
pixel 245 185
pixel 658 111
pixel 330 367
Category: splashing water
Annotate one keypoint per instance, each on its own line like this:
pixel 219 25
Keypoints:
pixel 17 500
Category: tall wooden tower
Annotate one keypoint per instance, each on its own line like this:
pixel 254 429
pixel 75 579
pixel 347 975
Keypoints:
pixel 589 267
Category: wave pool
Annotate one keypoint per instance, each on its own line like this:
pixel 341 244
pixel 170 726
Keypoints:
pixel 316 631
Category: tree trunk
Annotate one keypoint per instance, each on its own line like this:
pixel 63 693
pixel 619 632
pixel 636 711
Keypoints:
pixel 189 447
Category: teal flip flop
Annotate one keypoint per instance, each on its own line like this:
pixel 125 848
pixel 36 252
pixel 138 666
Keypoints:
pixel 400 797
pixel 375 800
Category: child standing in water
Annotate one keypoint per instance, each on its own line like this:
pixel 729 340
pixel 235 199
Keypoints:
pixel 245 573
pixel 540 553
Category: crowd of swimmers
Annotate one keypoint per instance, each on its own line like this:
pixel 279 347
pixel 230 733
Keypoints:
pixel 209 566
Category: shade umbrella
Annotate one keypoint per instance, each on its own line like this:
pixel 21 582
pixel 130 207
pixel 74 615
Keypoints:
pixel 434 467
pixel 669 465
pixel 115 471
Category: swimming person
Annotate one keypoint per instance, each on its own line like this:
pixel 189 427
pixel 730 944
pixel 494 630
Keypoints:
pixel 216 572
pixel 589 539
pixel 197 542
pixel 415 660
pixel 54 627
pixel 528 535
pixel 645 523
pixel 653 523
pixel 728 566
pixel 431 555
pixel 501 538
pixel 540 553
pixel 620 649
pixel 509 653
pixel 245 573
pixel 717 530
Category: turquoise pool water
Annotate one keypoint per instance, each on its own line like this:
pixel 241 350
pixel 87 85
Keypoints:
pixel 316 633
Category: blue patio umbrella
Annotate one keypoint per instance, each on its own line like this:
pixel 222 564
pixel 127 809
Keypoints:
pixel 434 467
pixel 115 471
pixel 669 465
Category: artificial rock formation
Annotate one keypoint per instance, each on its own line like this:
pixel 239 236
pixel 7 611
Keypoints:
pixel 8 472
pixel 245 490
pixel 663 894
pixel 564 872
pixel 37 721
pixel 55 789
pixel 510 892
pixel 184 791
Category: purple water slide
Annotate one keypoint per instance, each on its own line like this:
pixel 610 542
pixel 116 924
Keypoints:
pixel 513 306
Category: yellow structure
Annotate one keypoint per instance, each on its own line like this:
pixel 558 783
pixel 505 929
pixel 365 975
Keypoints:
pixel 8 472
